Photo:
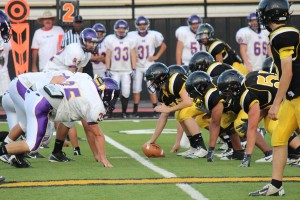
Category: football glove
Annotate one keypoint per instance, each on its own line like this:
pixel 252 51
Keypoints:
pixel 243 127
pixel 107 73
pixel 133 73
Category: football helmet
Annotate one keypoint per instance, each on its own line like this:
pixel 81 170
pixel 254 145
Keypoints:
pixel 268 65
pixel 158 73
pixel 88 35
pixel 194 19
pixel 200 61
pixel 176 69
pixel 98 27
pixel 229 84
pixel 276 11
pixel 141 20
pixel 109 92
pixel 4 27
pixel 197 83
pixel 205 31
pixel 252 21
pixel 121 28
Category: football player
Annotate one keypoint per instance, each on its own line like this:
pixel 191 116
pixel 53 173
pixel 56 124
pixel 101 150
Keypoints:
pixel 187 45
pixel 5 27
pixel 99 67
pixel 284 42
pixel 146 43
pixel 220 50
pixel 78 98
pixel 74 56
pixel 254 44
pixel 120 60
pixel 202 88
pixel 174 98
pixel 254 95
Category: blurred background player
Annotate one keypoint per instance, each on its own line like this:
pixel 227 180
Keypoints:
pixel 46 41
pixel 120 60
pixel 187 45
pixel 99 67
pixel 220 50
pixel 254 44
pixel 146 43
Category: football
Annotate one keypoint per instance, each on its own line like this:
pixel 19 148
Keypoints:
pixel 153 150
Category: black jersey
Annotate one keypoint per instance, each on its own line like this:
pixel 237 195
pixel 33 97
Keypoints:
pixel 212 98
pixel 284 41
pixel 170 96
pixel 218 46
pixel 260 87
pixel 216 68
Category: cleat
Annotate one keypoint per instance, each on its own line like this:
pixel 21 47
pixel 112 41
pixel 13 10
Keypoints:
pixel 135 116
pixel 199 153
pixel 2 178
pixel 19 161
pixel 223 147
pixel 237 155
pixel 59 157
pixel 262 131
pixel 292 158
pixel 268 190
pixel 4 158
pixel 225 153
pixel 34 155
pixel 296 163
pixel 124 115
pixel 156 115
pixel 265 159
pixel 190 151
pixel 77 152
pixel 246 161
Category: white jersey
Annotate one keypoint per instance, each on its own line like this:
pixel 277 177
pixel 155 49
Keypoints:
pixel 256 45
pixel 120 52
pixel 4 76
pixel 47 43
pixel 190 44
pixel 81 100
pixel 72 56
pixel 145 46
pixel 101 51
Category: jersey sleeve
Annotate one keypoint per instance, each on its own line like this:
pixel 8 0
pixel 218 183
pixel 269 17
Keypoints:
pixel 35 44
pixel 247 100
pixel 212 98
pixel 176 84
pixel 159 38
pixel 216 48
pixel 179 34
pixel 242 36
pixel 283 46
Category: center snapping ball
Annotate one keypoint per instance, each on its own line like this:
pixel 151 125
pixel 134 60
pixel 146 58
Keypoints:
pixel 153 150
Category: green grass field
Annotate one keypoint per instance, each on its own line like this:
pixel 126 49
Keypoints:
pixel 129 179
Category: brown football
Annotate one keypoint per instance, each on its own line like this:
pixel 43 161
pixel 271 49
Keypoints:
pixel 153 150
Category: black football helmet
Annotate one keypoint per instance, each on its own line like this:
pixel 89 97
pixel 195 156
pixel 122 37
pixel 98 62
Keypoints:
pixel 268 65
pixel 200 61
pixel 5 27
pixel 109 92
pixel 205 31
pixel 197 83
pixel 158 73
pixel 229 85
pixel 276 11
pixel 176 69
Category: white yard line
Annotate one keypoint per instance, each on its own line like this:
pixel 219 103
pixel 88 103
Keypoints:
pixel 193 193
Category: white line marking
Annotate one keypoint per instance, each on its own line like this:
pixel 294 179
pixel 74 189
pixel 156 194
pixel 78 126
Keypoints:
pixel 193 193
